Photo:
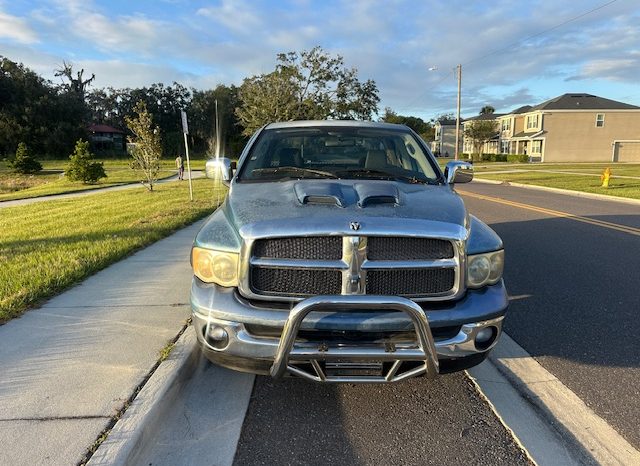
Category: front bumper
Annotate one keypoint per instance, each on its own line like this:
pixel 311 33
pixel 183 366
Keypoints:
pixel 278 352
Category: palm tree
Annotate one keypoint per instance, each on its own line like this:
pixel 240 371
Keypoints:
pixel 487 109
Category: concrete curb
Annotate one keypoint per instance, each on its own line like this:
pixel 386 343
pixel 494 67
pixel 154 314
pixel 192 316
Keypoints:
pixel 549 421
pixel 138 421
pixel 600 197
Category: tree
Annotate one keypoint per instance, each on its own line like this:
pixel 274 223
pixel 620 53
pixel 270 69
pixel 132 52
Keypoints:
pixel 487 109
pixel 423 128
pixel 478 132
pixel 76 85
pixel 23 162
pixel 147 149
pixel 307 85
pixel 202 111
pixel 82 166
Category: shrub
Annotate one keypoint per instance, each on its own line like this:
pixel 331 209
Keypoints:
pixel 82 167
pixel 23 162
pixel 519 158
pixel 494 157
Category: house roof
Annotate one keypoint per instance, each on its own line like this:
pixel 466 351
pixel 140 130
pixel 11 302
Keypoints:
pixel 524 134
pixel 582 102
pixel 103 129
pixel 448 121
pixel 485 116
pixel 523 109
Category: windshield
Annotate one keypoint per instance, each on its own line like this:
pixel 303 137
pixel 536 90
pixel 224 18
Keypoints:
pixel 340 152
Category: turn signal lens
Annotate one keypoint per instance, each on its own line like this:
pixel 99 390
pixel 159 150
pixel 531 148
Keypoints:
pixel 215 266
pixel 485 269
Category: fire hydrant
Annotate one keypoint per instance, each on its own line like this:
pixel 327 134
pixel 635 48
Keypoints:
pixel 605 177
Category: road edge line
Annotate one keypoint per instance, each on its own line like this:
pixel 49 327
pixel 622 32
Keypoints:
pixel 138 421
pixel 571 426
pixel 600 197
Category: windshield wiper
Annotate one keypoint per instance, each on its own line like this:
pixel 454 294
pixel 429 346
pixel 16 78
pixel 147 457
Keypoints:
pixel 380 174
pixel 296 170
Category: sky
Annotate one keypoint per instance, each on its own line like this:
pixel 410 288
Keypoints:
pixel 512 52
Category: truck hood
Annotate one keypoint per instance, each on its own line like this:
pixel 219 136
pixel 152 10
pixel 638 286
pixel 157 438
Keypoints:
pixel 334 206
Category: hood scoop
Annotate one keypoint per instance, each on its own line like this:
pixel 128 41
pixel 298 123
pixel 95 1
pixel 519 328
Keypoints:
pixel 319 193
pixel 376 193
pixel 364 195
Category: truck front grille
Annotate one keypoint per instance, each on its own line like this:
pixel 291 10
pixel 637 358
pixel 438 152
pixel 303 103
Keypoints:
pixel 298 267
pixel 387 248
pixel 309 248
pixel 295 282
pixel 410 282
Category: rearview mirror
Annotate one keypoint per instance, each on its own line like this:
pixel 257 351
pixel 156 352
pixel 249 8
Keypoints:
pixel 458 172
pixel 219 169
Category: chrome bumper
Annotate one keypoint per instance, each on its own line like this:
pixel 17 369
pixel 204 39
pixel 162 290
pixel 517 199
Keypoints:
pixel 425 352
pixel 222 308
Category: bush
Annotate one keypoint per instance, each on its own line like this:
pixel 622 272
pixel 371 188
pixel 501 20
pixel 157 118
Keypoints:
pixel 23 162
pixel 519 158
pixel 494 157
pixel 82 167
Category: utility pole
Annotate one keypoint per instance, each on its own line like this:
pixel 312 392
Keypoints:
pixel 458 113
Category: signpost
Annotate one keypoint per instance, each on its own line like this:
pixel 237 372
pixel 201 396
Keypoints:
pixel 185 131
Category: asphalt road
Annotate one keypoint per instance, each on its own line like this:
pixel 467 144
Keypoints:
pixel 441 421
pixel 574 286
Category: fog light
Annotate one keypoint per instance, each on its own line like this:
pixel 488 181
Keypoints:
pixel 217 337
pixel 485 338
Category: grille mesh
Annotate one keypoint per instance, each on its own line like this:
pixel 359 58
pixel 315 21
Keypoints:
pixel 399 248
pixel 410 282
pixel 295 281
pixel 310 248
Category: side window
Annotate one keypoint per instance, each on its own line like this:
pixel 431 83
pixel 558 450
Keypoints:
pixel 600 120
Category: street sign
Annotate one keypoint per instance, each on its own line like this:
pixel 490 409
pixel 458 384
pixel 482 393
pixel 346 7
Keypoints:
pixel 185 127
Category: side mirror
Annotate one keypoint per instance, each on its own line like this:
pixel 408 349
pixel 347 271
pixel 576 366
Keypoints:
pixel 458 172
pixel 220 169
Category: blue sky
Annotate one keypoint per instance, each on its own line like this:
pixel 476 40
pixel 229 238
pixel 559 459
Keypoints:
pixel 395 42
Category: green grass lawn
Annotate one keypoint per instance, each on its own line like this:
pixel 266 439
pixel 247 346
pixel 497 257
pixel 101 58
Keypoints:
pixel 47 247
pixel 52 181
pixel 583 177
pixel 619 187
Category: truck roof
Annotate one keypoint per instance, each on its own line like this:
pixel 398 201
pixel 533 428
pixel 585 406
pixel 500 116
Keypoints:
pixel 334 123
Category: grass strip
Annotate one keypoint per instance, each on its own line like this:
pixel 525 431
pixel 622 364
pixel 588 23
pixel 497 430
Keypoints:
pixel 583 177
pixel 47 247
pixel 52 180
pixel 618 187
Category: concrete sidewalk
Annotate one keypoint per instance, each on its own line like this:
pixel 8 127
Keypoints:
pixel 66 368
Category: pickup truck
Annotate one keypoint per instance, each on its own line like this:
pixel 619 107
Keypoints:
pixel 342 253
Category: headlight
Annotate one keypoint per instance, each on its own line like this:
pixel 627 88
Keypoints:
pixel 485 269
pixel 215 266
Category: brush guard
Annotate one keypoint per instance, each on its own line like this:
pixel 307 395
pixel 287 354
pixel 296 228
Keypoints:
pixel 424 351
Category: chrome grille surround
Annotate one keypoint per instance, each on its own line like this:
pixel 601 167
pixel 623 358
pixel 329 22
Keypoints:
pixel 354 264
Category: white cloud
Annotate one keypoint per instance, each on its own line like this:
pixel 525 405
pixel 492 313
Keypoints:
pixel 235 16
pixel 16 29
pixel 393 42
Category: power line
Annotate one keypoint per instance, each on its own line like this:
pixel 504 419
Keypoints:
pixel 538 34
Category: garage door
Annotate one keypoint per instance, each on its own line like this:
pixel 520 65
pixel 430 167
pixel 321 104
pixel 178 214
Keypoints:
pixel 627 151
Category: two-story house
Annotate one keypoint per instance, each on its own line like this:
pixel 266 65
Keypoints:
pixel 444 142
pixel 573 128
pixel 491 145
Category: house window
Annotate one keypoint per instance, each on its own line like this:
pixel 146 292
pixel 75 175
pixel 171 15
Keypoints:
pixel 532 121
pixel 506 124
pixel 504 147
pixel 600 120
pixel 536 146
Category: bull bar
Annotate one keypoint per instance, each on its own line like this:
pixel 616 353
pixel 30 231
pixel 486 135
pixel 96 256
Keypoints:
pixel 288 355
